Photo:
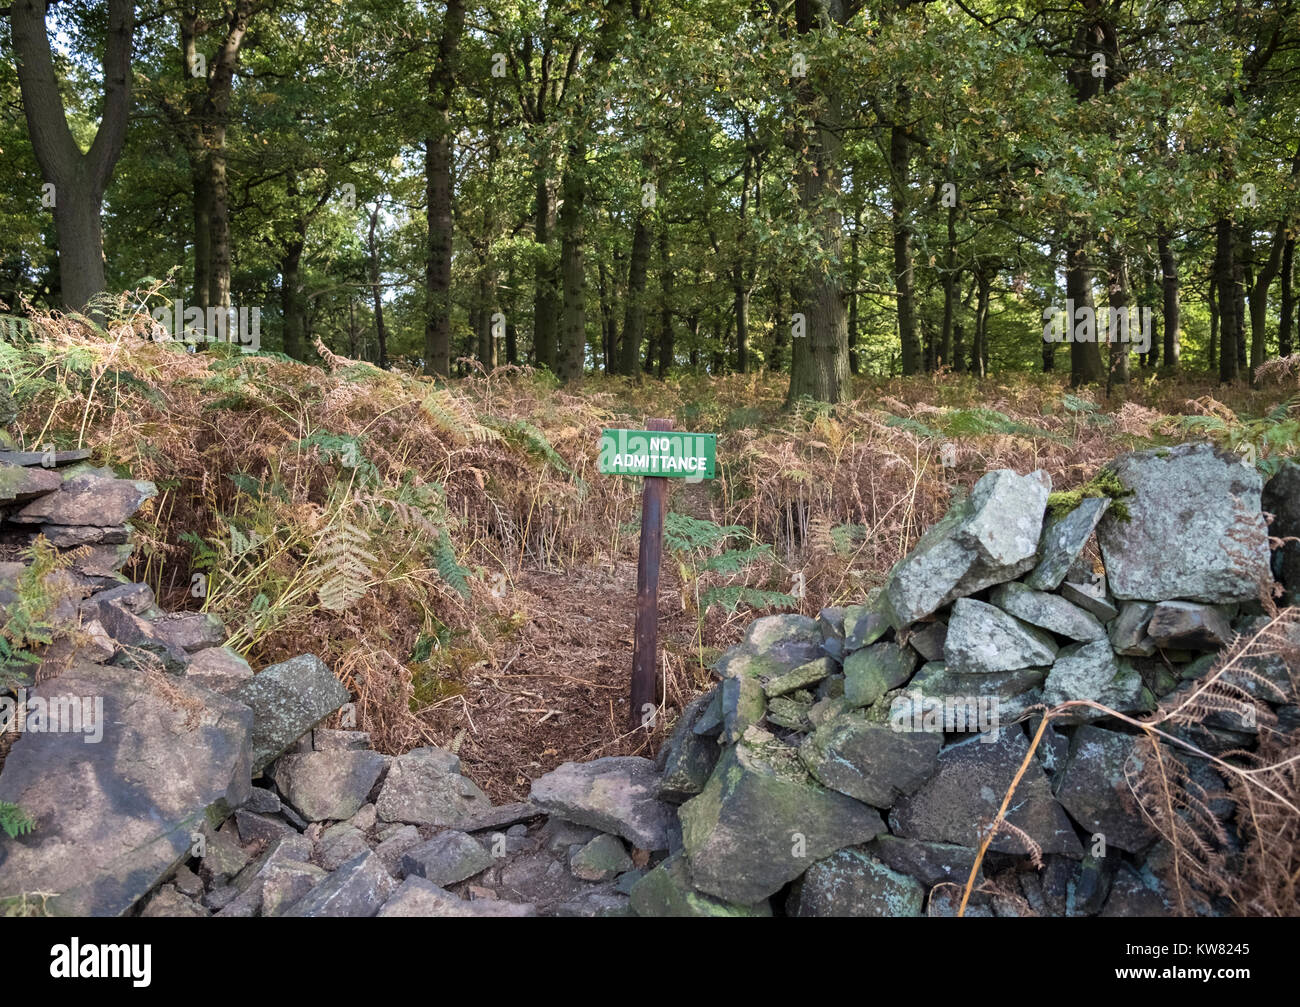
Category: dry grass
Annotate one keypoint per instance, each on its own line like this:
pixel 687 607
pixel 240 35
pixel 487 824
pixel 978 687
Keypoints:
pixel 524 665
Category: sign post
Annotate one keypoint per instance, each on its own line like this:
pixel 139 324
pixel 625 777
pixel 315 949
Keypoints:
pixel 657 454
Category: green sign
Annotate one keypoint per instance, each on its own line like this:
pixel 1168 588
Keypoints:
pixel 657 453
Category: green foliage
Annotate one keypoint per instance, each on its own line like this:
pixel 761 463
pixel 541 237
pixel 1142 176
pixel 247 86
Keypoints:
pixel 14 821
pixel 449 569
pixel 685 534
pixel 527 437
pixel 1104 484
pixel 732 596
pixel 1265 441
pixel 26 615
pixel 344 449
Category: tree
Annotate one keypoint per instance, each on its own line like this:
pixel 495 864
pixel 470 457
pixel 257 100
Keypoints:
pixel 79 179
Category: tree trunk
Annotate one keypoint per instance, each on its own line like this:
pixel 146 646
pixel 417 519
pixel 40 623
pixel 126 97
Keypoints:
pixel 666 348
pixel 79 179
pixel 855 280
pixel 1085 357
pixel 377 300
pixel 572 354
pixel 1286 321
pixel 1225 285
pixel 546 312
pixel 292 305
pixel 899 159
pixel 634 310
pixel 950 279
pixel 979 351
pixel 1118 332
pixel 1259 299
pixel 819 366
pixel 437 168
pixel 1214 323
pixel 1169 284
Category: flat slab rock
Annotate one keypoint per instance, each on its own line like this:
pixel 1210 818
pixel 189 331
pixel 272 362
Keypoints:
pixel 1195 533
pixel 425 787
pixel 288 699
pixel 854 883
pixel 983 638
pixel 990 537
pixel 970 780
pixel 617 794
pixel 761 820
pixel 419 897
pixel 87 500
pixel 115 816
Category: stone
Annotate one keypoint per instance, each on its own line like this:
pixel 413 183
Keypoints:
pixel 288 699
pixel 800 677
pixel 617 794
pixel 743 705
pixel 928 863
pixel 771 646
pixel 1281 498
pixel 187 882
pixel 854 883
pixel 424 787
pixel 358 888
pixel 1063 542
pixel 864 756
pixel 75 536
pixel 391 850
pixel 983 638
pixel 88 501
pixel 1195 530
pixel 1093 787
pixel 870 673
pixel 788 713
pixel 254 827
pixel 366 817
pixel 223 857
pixel 324 739
pixel 988 538
pixel 1090 595
pixel 557 835
pixel 499 817
pixel 1128 631
pixel 957 703
pixel 1133 895
pixel 946 901
pixel 1186 625
pixel 262 800
pixel 21 483
pixel 338 849
pixel 863 626
pixel 285 884
pixel 602 859
pixel 115 818
pixel 927 640
pixel 761 819
pixel 1048 611
pixel 709 723
pixel 447 858
pixel 44 458
pixel 418 896
pixel 830 622
pixel 685 762
pixel 970 780
pixel 219 669
pixel 191 632
pixel 167 901
pixel 327 786
pixel 1091 671
pixel 666 891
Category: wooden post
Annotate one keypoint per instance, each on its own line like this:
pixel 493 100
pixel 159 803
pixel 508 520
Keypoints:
pixel 645 650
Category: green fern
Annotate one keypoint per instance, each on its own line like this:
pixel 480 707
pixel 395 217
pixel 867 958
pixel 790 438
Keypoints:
pixel 346 570
pixel 524 435
pixel 14 820
pixel 732 596
pixel 26 616
pixel 444 560
pixel 687 534
pixel 735 560
pixel 911 426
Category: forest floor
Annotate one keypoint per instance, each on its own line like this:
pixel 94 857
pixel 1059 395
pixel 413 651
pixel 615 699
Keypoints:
pixel 452 553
